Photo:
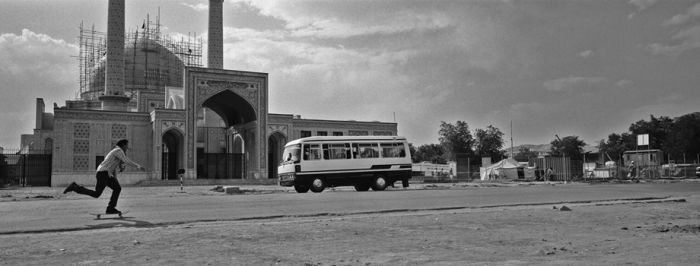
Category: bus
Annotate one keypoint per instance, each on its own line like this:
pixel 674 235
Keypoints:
pixel 365 162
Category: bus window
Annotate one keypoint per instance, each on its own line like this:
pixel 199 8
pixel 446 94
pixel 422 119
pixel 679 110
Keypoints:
pixel 325 151
pixel 291 154
pixel 368 150
pixel 393 150
pixel 336 151
pixel 312 152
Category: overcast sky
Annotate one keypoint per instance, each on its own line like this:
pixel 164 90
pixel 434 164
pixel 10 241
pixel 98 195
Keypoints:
pixel 585 68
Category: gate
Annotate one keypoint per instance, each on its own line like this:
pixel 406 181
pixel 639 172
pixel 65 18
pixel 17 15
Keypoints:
pixel 220 165
pixel 564 168
pixel 26 168
pixel 168 166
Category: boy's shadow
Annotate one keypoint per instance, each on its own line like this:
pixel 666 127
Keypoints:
pixel 125 221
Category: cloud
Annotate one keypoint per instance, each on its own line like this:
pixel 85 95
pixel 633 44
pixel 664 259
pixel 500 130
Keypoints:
pixel 585 54
pixel 679 19
pixel 305 70
pixel 33 66
pixel 201 7
pixel 395 23
pixel 623 83
pixel 571 83
pixel 641 5
pixel 689 39
pixel 349 19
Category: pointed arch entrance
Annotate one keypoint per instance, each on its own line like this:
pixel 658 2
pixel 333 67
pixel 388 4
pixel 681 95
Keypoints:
pixel 223 107
pixel 173 153
pixel 275 145
pixel 224 123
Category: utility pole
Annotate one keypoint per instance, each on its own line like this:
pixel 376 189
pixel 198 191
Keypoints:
pixel 511 139
pixel 563 152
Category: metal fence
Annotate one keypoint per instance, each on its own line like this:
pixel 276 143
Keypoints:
pixel 25 168
pixel 220 165
pixel 467 167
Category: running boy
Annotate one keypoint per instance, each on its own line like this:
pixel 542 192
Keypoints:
pixel 107 176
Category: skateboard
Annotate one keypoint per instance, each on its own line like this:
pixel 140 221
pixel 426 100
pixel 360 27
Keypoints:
pixel 100 214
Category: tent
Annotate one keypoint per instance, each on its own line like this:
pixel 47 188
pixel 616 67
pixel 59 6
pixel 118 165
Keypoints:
pixel 505 169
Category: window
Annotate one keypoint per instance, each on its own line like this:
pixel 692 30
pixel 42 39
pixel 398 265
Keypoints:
pixel 393 150
pixel 357 133
pixel 291 154
pixel 322 133
pixel 312 152
pixel 305 133
pixel 336 151
pixel 80 162
pixel 366 150
pixel 383 133
pixel 337 133
pixel 118 131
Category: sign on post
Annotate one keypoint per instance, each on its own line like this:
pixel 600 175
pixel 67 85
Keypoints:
pixel 643 139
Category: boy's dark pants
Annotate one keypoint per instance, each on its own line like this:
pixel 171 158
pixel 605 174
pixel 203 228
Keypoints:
pixel 103 180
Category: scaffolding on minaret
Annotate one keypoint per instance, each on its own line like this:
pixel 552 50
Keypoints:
pixel 148 66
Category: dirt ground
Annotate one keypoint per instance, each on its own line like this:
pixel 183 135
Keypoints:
pixel 653 233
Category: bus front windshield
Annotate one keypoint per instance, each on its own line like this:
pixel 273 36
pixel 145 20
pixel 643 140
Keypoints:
pixel 291 154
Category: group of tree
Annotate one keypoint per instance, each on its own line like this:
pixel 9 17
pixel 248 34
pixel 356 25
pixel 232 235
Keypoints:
pixel 675 137
pixel 458 139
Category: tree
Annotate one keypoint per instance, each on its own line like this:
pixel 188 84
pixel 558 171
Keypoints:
pixel 569 146
pixel 433 153
pixel 657 128
pixel 616 144
pixel 456 139
pixel 524 154
pixel 684 136
pixel 488 142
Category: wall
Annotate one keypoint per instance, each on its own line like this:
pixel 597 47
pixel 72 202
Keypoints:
pixel 82 135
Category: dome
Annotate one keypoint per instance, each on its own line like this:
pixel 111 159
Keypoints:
pixel 147 66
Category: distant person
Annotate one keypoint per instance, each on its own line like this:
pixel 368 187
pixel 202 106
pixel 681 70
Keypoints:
pixel 550 174
pixel 632 171
pixel 107 176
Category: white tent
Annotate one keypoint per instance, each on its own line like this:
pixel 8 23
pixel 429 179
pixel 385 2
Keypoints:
pixel 505 169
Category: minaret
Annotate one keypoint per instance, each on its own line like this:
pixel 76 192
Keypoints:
pixel 114 98
pixel 215 48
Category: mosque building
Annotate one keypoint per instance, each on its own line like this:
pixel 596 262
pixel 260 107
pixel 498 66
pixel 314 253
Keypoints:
pixel 177 114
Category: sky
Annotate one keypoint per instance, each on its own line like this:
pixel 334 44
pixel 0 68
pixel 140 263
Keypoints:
pixel 585 68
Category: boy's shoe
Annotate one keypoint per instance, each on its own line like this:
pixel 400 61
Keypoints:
pixel 72 187
pixel 111 210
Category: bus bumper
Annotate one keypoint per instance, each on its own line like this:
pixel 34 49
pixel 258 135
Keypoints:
pixel 286 180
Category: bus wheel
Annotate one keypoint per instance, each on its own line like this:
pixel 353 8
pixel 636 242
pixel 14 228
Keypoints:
pixel 301 188
pixel 362 187
pixel 379 183
pixel 404 182
pixel 317 185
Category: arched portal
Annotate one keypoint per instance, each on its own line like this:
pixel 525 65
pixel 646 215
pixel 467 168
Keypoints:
pixel 239 100
pixel 173 151
pixel 222 120
pixel 275 145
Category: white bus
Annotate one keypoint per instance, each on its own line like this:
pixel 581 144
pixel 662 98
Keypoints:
pixel 365 162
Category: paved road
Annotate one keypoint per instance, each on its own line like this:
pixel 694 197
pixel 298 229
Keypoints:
pixel 166 205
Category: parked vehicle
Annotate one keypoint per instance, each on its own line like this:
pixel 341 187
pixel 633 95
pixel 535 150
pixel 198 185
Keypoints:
pixel 365 162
